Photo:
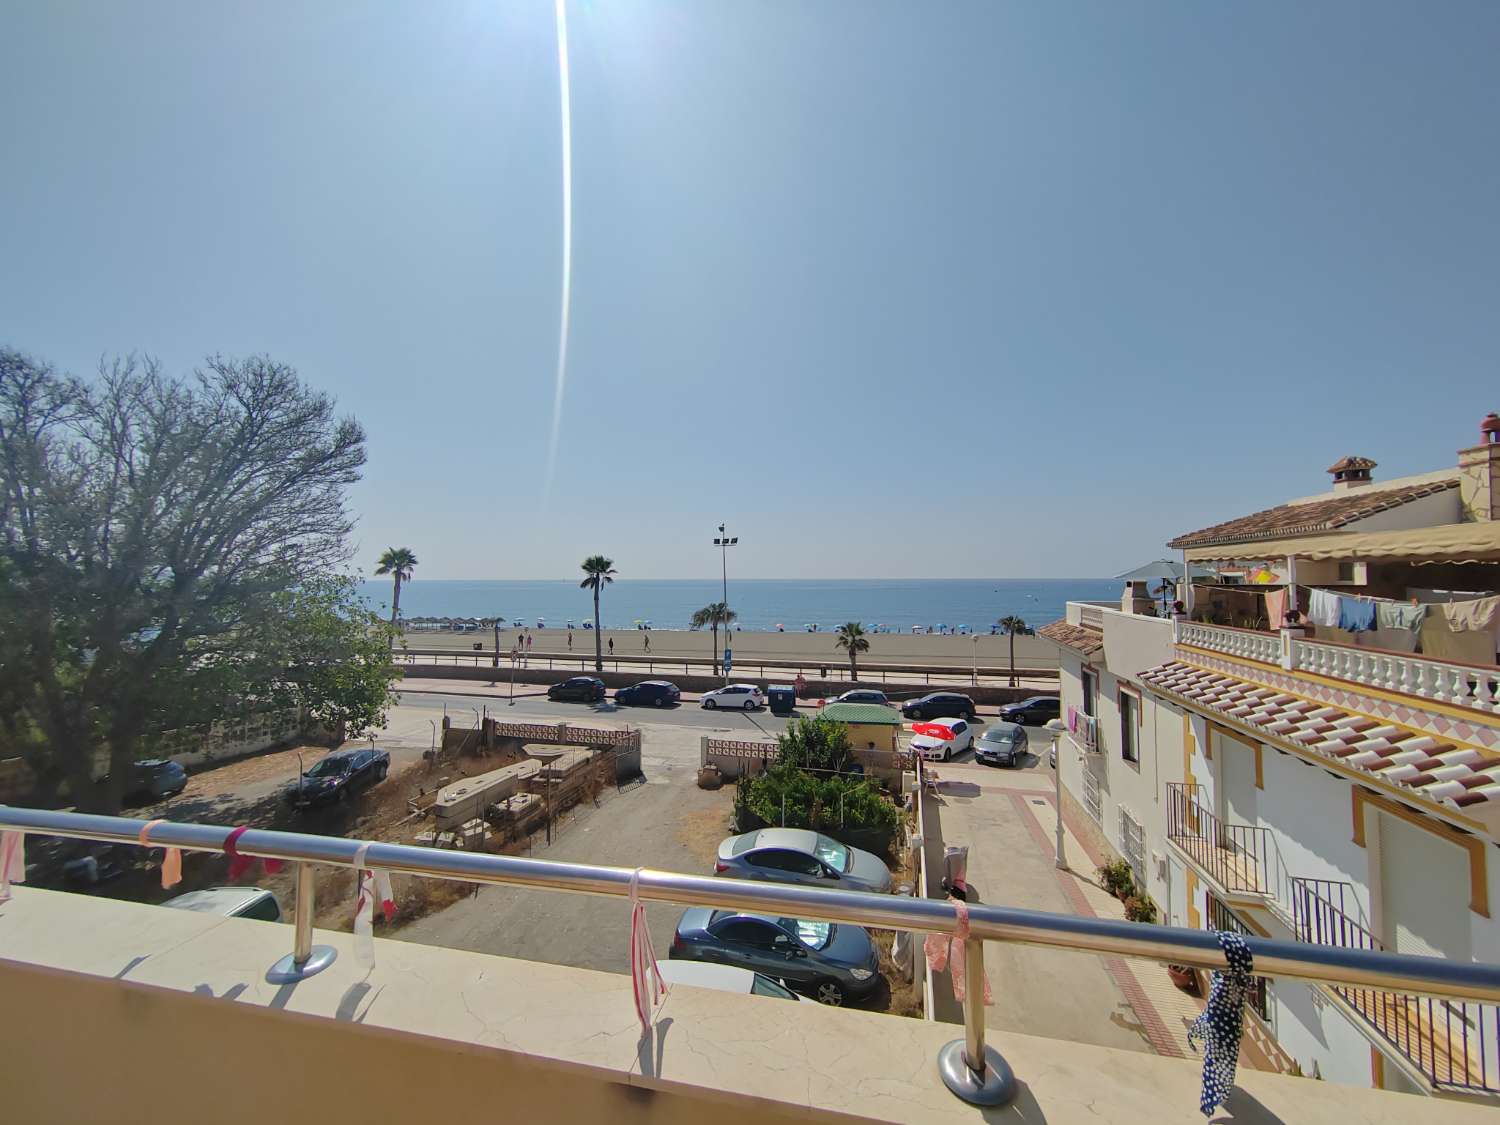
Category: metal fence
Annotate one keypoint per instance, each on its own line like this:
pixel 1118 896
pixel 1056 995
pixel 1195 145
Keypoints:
pixel 972 1070
pixel 1234 856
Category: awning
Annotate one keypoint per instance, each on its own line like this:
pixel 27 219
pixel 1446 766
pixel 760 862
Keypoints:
pixel 1167 570
pixel 1448 543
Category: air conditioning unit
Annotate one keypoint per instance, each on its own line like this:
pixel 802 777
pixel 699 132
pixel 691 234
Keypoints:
pixel 1159 862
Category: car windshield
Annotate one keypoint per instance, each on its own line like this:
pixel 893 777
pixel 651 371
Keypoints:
pixel 832 853
pixel 743 843
pixel 1006 735
pixel 329 767
pixel 815 935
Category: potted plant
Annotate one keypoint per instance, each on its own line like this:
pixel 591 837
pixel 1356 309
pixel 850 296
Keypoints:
pixel 1117 879
pixel 1140 908
pixel 1185 978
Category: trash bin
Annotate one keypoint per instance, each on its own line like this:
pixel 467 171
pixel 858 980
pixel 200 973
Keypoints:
pixel 782 699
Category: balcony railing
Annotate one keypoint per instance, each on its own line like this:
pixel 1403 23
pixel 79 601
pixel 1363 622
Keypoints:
pixel 1233 856
pixel 1084 728
pixel 1247 643
pixel 1462 685
pixel 1452 1044
pixel 971 1070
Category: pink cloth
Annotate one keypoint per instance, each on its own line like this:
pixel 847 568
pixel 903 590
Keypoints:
pixel 12 861
pixel 1275 609
pixel 239 864
pixel 944 951
pixel 171 860
pixel 645 978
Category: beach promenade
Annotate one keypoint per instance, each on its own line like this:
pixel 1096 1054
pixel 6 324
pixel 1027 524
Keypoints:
pixel 956 652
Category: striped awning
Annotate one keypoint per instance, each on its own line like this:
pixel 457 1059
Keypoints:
pixel 1448 543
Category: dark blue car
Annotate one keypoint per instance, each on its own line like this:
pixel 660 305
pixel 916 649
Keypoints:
pixel 649 693
pixel 829 962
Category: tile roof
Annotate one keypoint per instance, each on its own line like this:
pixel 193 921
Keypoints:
pixel 1448 773
pixel 1079 638
pixel 867 713
pixel 1314 516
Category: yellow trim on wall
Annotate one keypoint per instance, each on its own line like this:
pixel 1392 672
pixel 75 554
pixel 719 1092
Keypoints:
pixel 1479 887
pixel 1188 742
pixel 1195 917
pixel 1377 1069
pixel 1253 743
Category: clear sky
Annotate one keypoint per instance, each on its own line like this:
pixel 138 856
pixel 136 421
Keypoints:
pixel 899 289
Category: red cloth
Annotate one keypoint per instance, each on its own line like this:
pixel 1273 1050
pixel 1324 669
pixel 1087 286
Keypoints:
pixel 239 864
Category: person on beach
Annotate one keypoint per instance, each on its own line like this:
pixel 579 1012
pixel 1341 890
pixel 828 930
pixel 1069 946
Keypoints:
pixel 611 646
pixel 647 638
pixel 570 640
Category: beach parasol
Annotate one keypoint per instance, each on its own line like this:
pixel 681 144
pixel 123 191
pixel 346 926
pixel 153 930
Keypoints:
pixel 1162 569
pixel 932 730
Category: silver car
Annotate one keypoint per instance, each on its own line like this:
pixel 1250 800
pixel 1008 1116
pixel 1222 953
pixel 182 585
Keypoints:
pixel 798 855
pixel 1001 744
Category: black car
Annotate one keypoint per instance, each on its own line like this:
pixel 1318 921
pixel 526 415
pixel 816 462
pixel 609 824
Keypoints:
pixel 338 776
pixel 579 689
pixel 649 693
pixel 940 705
pixel 1034 712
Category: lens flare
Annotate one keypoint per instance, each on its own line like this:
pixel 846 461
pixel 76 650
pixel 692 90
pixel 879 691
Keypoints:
pixel 566 102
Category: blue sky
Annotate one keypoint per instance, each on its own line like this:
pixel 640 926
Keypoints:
pixel 972 289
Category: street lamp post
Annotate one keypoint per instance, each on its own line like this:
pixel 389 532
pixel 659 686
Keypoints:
pixel 1055 731
pixel 724 542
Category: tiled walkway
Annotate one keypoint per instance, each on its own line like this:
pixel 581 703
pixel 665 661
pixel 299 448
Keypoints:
pixel 1007 818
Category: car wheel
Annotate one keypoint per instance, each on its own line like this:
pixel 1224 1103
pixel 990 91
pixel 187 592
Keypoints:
pixel 947 752
pixel 710 704
pixel 916 713
pixel 660 702
pixel 380 773
pixel 830 992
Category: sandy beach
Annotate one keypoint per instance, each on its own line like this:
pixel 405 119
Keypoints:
pixel 885 648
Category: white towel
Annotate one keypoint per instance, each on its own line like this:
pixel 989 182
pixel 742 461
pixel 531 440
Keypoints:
pixel 1323 608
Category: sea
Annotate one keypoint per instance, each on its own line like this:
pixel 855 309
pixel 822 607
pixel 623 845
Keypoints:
pixel 762 604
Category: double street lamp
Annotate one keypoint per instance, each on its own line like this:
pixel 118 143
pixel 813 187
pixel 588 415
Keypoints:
pixel 724 542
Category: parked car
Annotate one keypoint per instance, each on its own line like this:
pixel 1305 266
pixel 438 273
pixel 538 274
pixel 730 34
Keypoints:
pixel 338 776
pixel 745 697
pixel 864 695
pixel 831 963
pixel 1002 744
pixel 938 703
pixel 153 780
pixel 578 689
pixel 649 693
pixel 1033 712
pixel 724 978
pixel 798 855
pixel 232 902
pixel 942 738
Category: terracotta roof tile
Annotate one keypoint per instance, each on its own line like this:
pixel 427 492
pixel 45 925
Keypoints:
pixel 1445 772
pixel 1076 637
pixel 1315 516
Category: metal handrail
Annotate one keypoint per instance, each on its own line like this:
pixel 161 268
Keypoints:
pixel 1330 965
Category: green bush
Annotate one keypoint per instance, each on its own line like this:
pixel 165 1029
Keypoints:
pixel 1140 908
pixel 825 803
pixel 815 744
pixel 1117 878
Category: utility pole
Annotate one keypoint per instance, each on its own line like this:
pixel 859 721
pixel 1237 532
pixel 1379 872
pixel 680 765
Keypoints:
pixel 724 542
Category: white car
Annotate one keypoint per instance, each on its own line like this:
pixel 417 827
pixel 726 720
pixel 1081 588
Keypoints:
pixel 743 697
pixel 941 738
pixel 725 978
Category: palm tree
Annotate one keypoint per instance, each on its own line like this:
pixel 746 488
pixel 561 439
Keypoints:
pixel 600 572
pixel 1013 625
pixel 851 636
pixel 712 616
pixel 398 562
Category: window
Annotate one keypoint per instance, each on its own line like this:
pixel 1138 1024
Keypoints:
pixel 1091 796
pixel 959 727
pixel 263 910
pixel 1130 717
pixel 779 859
pixel 1090 684
pixel 757 935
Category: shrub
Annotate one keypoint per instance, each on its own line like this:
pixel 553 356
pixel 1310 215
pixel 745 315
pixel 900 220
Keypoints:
pixel 1117 878
pixel 1140 908
pixel 826 803
pixel 815 744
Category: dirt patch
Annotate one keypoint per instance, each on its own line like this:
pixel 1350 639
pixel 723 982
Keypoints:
pixel 900 996
pixel 700 832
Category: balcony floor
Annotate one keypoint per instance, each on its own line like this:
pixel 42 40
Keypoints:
pixel 1427 1034
pixel 1231 871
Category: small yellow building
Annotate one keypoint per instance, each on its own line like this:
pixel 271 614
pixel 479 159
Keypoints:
pixel 869 724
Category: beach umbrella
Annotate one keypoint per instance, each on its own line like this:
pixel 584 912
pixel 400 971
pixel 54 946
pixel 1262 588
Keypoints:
pixel 1164 570
pixel 932 730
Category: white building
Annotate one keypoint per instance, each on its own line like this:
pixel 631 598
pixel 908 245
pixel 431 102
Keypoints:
pixel 1315 784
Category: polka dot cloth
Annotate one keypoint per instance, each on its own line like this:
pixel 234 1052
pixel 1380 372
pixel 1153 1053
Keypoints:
pixel 1222 1023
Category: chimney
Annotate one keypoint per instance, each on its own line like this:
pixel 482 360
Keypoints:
pixel 1350 473
pixel 1479 474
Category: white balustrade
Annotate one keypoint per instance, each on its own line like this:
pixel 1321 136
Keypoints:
pixel 1244 643
pixel 1463 685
